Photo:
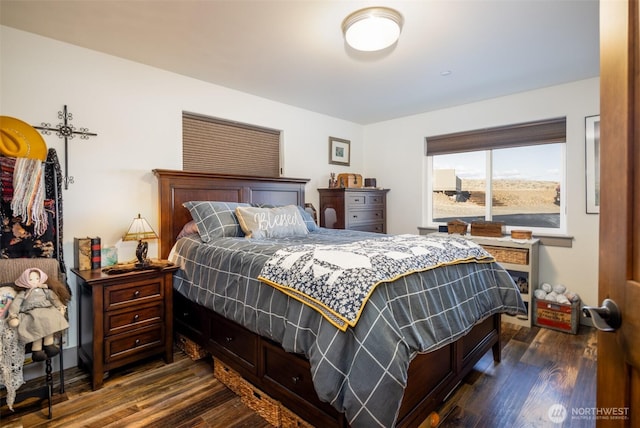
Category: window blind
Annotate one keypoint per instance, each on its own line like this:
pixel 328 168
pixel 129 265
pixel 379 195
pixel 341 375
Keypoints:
pixel 546 131
pixel 226 147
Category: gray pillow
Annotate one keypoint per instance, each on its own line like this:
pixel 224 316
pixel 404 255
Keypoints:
pixel 277 222
pixel 215 219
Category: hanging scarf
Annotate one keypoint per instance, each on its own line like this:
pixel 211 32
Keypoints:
pixel 28 194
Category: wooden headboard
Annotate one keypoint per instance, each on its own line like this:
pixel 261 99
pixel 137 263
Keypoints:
pixel 178 187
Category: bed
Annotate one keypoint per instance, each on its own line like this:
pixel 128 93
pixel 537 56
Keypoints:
pixel 284 351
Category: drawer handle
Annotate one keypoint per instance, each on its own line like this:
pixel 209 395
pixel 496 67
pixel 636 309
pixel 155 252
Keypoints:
pixel 137 342
pixel 136 293
pixel 295 379
pixel 355 216
pixel 136 317
pixel 356 200
pixel 228 339
pixel 185 315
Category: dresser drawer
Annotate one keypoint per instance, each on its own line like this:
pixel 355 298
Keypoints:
pixel 126 345
pixel 368 216
pixel 131 318
pixel 364 199
pixel 373 227
pixel 133 293
pixel 237 340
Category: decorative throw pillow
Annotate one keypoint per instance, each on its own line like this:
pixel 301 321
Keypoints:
pixel 277 222
pixel 308 219
pixel 306 216
pixel 188 229
pixel 215 219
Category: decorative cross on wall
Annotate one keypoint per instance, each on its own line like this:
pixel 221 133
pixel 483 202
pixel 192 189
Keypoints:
pixel 67 131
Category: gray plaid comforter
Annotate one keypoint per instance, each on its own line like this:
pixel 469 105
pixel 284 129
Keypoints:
pixel 362 371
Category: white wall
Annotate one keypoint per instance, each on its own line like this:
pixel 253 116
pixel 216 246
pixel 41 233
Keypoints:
pixel 394 154
pixel 136 112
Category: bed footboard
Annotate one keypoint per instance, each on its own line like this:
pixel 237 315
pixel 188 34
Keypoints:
pixel 286 377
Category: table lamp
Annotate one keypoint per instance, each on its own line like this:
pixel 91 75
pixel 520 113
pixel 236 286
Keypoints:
pixel 139 230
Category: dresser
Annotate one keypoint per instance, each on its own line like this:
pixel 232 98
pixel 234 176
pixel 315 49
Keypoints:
pixel 354 208
pixel 123 318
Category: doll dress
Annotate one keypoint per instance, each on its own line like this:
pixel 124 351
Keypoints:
pixel 38 316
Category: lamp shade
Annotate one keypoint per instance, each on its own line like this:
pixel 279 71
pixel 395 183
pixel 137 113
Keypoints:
pixel 139 229
pixel 372 28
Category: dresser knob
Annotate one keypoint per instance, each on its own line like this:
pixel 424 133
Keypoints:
pixel 135 317
pixel 228 339
pixel 136 293
pixel 137 342
pixel 295 379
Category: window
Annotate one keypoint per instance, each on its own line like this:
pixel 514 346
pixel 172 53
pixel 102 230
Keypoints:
pixel 511 174
pixel 225 147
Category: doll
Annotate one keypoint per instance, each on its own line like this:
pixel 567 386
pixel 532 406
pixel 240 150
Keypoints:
pixel 38 312
pixel 7 294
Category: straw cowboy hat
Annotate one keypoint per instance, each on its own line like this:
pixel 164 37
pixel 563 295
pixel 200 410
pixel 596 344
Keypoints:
pixel 21 140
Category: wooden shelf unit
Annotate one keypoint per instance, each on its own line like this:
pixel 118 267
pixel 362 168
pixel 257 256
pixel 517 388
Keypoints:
pixel 520 259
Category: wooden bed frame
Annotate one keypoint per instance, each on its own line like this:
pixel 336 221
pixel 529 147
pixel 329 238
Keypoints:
pixel 284 376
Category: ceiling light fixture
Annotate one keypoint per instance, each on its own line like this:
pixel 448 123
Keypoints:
pixel 372 28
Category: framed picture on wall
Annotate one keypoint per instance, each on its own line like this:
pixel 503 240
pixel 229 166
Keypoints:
pixel 592 160
pixel 339 151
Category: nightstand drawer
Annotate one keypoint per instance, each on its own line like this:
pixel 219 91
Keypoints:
pixel 133 293
pixel 131 318
pixel 129 344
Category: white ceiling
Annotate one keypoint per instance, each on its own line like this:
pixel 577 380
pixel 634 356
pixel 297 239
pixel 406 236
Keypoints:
pixel 293 51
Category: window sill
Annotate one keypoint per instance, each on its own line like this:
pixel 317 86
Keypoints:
pixel 548 240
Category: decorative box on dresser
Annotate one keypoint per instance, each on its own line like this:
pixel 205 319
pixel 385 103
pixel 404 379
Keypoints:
pixel 123 318
pixel 361 209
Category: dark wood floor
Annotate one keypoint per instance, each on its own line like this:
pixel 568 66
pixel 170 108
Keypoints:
pixel 539 368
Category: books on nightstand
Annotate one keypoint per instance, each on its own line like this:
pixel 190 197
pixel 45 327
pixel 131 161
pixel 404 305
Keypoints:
pixel 87 253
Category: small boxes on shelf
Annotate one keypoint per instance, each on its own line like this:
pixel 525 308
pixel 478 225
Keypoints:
pixel 494 229
pixel 457 226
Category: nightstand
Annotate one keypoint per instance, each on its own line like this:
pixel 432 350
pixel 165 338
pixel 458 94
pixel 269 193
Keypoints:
pixel 123 318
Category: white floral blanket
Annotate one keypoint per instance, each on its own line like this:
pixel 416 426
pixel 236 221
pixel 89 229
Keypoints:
pixel 337 280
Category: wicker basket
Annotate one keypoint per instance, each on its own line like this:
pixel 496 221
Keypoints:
pixel 261 403
pixel 189 347
pixel 228 377
pixel 288 419
pixel 252 397
pixel 518 256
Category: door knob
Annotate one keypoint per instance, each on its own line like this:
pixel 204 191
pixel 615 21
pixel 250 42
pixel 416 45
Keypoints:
pixel 607 317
